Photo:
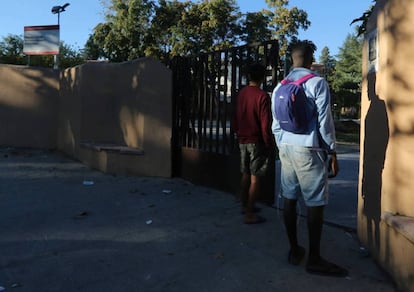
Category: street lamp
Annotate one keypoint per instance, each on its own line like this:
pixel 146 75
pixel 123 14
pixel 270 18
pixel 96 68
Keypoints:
pixel 57 10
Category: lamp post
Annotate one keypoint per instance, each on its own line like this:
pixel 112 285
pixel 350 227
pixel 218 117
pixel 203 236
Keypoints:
pixel 57 10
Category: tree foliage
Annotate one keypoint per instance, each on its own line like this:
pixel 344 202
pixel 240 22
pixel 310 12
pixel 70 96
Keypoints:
pixel 11 50
pixel 364 19
pixel 284 22
pixel 255 28
pixel 329 64
pixel 122 36
pixel 346 83
pixel 70 56
pixel 208 26
pixel 326 58
pixel 164 28
pixel 349 65
pixel 164 35
pixel 136 28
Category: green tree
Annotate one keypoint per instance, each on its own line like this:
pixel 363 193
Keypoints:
pixel 206 26
pixel 284 22
pixel 348 72
pixel 166 28
pixel 11 50
pixel 328 62
pixel 70 56
pixel 122 36
pixel 163 39
pixel 95 47
pixel 135 28
pixel 255 28
pixel 349 65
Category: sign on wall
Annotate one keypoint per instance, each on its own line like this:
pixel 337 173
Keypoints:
pixel 372 41
pixel 41 40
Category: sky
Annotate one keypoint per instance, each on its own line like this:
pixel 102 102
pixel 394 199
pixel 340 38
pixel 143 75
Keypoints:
pixel 330 19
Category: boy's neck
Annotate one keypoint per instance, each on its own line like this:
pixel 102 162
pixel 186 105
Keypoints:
pixel 254 83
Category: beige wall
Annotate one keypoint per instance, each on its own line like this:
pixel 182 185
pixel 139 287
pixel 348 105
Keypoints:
pixel 28 106
pixel 125 105
pixel 386 182
pixel 122 104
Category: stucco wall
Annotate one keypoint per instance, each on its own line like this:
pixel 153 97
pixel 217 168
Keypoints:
pixel 121 104
pixel 386 182
pixel 28 106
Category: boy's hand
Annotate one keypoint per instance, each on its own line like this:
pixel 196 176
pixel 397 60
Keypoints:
pixel 333 166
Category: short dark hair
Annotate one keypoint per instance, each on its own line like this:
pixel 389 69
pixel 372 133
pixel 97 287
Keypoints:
pixel 303 48
pixel 256 72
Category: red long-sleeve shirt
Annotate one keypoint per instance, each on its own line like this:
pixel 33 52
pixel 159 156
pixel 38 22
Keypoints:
pixel 253 118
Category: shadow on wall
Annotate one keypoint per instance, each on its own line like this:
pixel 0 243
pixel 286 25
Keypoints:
pixel 28 106
pixel 375 146
pixel 118 106
pixel 69 120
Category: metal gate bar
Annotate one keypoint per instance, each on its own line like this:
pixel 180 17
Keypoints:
pixel 204 88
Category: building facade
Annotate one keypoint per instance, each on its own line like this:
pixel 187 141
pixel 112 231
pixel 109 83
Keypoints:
pixel 386 178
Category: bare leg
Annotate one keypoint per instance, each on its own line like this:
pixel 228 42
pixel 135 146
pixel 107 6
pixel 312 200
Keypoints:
pixel 315 223
pixel 251 217
pixel 253 193
pixel 244 190
pixel 316 264
pixel 296 252
pixel 289 216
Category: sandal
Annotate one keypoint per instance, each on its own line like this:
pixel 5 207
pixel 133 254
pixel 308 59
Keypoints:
pixel 254 220
pixel 255 210
pixel 294 258
pixel 325 268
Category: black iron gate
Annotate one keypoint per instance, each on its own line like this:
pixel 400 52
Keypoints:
pixel 204 147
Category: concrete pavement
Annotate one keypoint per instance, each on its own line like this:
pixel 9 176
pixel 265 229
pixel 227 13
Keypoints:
pixel 67 228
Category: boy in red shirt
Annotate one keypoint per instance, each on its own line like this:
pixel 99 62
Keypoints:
pixel 252 125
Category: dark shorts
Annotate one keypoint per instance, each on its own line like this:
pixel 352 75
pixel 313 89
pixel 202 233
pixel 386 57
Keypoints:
pixel 254 159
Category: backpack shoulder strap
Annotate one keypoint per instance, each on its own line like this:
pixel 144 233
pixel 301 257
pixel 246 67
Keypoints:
pixel 285 81
pixel 304 79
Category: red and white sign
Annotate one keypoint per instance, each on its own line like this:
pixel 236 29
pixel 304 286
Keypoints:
pixel 41 40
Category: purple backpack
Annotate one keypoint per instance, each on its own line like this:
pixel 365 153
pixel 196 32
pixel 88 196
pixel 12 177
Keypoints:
pixel 291 105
